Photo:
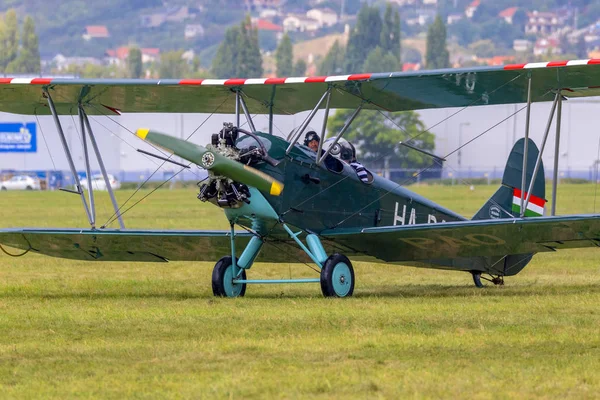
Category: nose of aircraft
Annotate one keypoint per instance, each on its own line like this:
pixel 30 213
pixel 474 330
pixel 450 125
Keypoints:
pixel 213 161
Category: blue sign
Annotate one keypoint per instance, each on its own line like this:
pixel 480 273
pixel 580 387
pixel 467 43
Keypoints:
pixel 18 137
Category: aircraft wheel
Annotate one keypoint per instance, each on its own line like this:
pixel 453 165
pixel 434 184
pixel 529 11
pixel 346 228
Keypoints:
pixel 337 277
pixel 477 279
pixel 222 280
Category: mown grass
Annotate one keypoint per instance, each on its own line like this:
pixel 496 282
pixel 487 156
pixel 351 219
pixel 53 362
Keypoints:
pixel 71 329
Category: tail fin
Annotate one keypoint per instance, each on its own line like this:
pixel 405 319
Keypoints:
pixel 506 202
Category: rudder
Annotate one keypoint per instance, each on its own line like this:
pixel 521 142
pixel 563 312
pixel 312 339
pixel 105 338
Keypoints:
pixel 506 202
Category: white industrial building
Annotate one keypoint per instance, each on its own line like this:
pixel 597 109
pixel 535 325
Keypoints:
pixel 579 143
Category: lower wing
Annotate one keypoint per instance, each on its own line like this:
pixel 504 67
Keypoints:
pixel 482 238
pixel 136 245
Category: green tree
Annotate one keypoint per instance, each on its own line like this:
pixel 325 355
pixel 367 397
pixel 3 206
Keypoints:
pixel 28 60
pixel 483 48
pixel 249 63
pixel 300 68
pixel 333 63
pixel 172 65
pixel 284 57
pixel 224 64
pixel 134 63
pixel 437 55
pixel 390 32
pixel 9 39
pixel 377 138
pixel 378 61
pixel 363 38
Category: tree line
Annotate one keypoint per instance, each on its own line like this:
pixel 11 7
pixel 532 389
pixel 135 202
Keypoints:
pixel 19 48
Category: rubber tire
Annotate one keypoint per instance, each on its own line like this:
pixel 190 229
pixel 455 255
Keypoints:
pixel 329 288
pixel 3 188
pixel 477 279
pixel 28 188
pixel 220 286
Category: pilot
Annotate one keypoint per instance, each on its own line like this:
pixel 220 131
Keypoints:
pixel 312 140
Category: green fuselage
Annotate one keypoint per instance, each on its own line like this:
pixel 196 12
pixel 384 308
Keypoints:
pixel 317 199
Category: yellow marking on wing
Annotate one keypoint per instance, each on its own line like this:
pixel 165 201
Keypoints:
pixel 142 133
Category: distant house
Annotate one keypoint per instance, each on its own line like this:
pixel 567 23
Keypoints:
pixel 452 18
pixel 325 16
pixel 95 32
pixel 299 23
pixel 61 62
pixel 543 23
pixel 545 46
pixel 153 20
pixel 430 2
pixel 471 8
pixel 508 14
pixel 268 13
pixel 266 25
pixel 188 56
pixel 193 30
pixel 119 56
pixel 496 60
pixel 411 67
pixel 265 3
pixel 521 45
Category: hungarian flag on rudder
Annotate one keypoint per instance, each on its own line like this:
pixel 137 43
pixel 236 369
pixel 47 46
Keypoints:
pixel 535 208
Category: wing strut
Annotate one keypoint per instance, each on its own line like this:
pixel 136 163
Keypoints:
pixel 102 168
pixel 556 151
pixel 61 134
pixel 248 116
pixel 307 121
pixel 539 158
pixel 341 133
pixel 525 149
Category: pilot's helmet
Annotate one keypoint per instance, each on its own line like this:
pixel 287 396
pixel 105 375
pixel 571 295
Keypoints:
pixel 342 150
pixel 310 136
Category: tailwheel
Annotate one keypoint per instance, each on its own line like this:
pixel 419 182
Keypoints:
pixel 337 276
pixel 496 280
pixel 222 280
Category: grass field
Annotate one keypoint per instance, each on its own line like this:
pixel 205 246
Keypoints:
pixel 108 330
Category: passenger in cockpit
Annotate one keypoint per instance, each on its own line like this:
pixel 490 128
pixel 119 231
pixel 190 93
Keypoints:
pixel 361 171
pixel 346 152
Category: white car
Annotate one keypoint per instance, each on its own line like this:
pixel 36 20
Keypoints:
pixel 21 182
pixel 99 184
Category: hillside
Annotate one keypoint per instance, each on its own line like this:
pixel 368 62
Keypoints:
pixel 147 23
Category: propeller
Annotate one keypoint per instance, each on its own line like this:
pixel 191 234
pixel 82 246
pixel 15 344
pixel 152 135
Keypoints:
pixel 213 161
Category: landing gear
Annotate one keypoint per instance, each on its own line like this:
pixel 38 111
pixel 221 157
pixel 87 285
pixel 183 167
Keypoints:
pixel 337 276
pixel 222 279
pixel 477 279
pixel 496 280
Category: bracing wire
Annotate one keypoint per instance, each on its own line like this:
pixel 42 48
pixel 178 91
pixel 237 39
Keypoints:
pixel 410 138
pixel 112 217
pixel 45 142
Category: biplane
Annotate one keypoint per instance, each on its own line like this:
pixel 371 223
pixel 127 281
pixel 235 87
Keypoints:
pixel 295 204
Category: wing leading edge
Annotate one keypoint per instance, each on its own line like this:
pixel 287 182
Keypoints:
pixel 396 91
pixel 136 245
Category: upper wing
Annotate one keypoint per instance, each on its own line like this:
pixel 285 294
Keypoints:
pixel 485 238
pixel 395 91
pixel 138 245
